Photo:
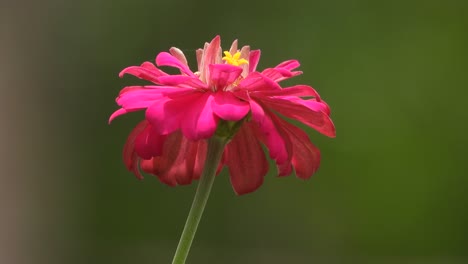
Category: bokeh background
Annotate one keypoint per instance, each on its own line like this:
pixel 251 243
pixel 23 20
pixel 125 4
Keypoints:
pixel 392 187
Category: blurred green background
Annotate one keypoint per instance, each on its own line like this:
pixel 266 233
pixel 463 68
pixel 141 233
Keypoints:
pixel 391 187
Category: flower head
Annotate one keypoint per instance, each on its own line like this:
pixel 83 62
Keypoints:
pixel 185 109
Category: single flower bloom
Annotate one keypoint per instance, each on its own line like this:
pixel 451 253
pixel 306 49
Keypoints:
pixel 183 110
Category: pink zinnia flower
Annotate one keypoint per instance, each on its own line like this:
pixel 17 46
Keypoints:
pixel 184 110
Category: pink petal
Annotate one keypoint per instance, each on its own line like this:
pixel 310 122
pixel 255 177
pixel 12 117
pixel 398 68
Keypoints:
pixel 245 54
pixel 222 75
pixel 228 107
pixel 167 113
pixel 199 55
pixel 233 48
pixel 246 161
pixel 256 82
pixel 199 121
pixel 316 119
pixel 253 60
pixel 306 157
pixel 135 98
pixel 166 59
pixel 189 110
pixel 138 98
pixel 147 71
pixel 211 55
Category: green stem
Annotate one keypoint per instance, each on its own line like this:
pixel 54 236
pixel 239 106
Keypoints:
pixel 213 156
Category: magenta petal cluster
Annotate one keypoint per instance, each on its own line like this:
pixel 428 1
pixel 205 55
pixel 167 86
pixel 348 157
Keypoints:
pixel 184 110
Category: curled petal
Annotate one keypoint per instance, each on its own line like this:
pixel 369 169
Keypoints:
pixel 246 161
pixel 117 113
pixel 229 107
pixel 222 75
pixel 178 54
pixel 147 71
pixel 166 59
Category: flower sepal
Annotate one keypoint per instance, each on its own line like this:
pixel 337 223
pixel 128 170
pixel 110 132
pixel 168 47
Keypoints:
pixel 228 129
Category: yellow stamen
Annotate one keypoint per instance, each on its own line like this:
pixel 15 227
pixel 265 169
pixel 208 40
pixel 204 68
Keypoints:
pixel 234 59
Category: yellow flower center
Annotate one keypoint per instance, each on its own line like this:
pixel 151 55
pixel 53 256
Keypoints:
pixel 234 59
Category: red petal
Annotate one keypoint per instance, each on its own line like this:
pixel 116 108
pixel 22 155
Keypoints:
pixel 181 160
pixel 319 120
pixel 129 155
pixel 246 161
pixel 149 143
pixel 305 156
pixel 268 133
